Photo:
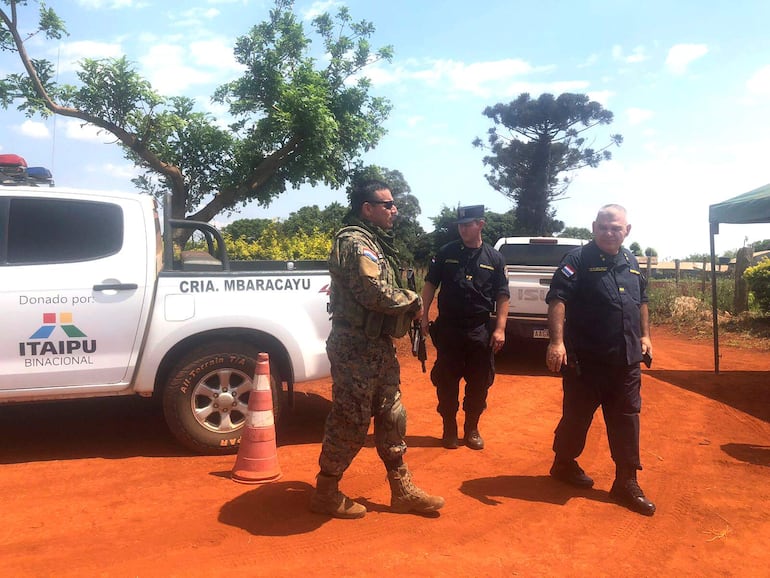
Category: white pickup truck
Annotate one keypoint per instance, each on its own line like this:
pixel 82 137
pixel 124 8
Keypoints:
pixel 95 302
pixel 531 263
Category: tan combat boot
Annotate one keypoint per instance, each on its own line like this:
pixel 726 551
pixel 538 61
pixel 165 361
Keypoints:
pixel 327 499
pixel 406 497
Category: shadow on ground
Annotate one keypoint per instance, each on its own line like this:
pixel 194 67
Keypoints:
pixel 747 391
pixel 275 509
pixel 749 453
pixel 122 427
pixel 529 488
pixel 111 428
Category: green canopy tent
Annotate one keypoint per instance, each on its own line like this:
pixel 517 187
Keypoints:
pixel 751 207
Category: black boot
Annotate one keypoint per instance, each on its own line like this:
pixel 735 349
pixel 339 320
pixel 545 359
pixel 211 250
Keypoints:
pixel 472 437
pixel 626 492
pixel 449 435
pixel 569 472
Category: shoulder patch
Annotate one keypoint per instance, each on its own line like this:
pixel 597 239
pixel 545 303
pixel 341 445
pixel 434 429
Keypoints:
pixel 368 264
pixel 567 271
pixel 371 255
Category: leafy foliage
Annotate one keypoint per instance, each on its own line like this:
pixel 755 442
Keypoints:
pixel 272 244
pixel 532 143
pixel 248 229
pixel 583 233
pixel 294 123
pixel 758 279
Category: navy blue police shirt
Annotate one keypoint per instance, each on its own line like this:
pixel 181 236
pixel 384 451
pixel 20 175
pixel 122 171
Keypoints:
pixel 471 280
pixel 602 295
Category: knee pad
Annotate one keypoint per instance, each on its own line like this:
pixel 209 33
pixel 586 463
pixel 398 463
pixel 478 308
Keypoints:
pixel 389 431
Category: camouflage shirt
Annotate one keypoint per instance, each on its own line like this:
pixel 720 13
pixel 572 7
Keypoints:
pixel 365 292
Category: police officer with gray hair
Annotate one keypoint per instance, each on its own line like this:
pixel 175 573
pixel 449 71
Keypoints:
pixel 470 276
pixel 369 308
pixel 599 332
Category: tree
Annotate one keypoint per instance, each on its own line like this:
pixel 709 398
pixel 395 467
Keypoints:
pixel 308 219
pixel 763 245
pixel 249 229
pixel 293 123
pixel 499 225
pixel 543 138
pixel 650 252
pixel 583 233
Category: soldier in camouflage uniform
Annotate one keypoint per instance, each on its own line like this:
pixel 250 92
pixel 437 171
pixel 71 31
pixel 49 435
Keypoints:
pixel 369 308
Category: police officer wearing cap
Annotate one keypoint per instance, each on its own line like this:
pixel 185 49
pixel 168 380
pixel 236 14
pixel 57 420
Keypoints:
pixel 599 332
pixel 472 281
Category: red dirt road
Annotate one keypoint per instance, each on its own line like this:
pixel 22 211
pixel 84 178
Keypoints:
pixel 98 488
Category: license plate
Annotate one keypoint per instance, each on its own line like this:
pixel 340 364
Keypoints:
pixel 540 333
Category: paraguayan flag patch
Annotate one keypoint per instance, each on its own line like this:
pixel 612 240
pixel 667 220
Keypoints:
pixel 370 255
pixel 567 271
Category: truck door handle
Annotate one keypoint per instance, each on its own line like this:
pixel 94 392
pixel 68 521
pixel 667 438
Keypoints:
pixel 116 287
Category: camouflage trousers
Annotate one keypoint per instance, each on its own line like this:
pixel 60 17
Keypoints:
pixel 366 382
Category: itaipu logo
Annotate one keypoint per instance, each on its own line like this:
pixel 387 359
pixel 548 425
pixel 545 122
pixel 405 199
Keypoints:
pixel 71 351
pixel 49 324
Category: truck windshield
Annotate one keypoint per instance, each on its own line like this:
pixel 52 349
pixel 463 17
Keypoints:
pixel 535 255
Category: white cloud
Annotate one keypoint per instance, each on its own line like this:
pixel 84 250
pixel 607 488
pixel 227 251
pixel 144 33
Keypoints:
pixel 535 89
pixel 167 72
pixel 83 131
pixel 194 16
pixel 413 121
pixel 681 55
pixel 590 61
pixel 123 171
pixel 33 129
pixel 638 115
pixel 601 96
pixel 216 54
pixel 759 83
pixel 476 77
pixel 110 4
pixel 638 54
pixel 319 7
pixel 479 78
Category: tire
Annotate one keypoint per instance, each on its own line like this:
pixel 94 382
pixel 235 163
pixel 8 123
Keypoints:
pixel 205 400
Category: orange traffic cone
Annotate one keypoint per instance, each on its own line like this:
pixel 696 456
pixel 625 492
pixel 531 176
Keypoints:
pixel 257 460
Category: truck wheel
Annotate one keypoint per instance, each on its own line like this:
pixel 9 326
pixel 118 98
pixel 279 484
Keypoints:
pixel 206 398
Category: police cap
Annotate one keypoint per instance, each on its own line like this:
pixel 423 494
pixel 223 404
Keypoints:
pixel 469 213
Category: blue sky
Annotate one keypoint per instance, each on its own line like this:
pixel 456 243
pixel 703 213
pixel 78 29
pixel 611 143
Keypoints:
pixel 688 83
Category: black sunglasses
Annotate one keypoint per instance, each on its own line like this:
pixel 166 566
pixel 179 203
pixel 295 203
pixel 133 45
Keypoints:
pixel 387 204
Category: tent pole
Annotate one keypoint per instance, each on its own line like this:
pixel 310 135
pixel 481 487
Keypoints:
pixel 714 309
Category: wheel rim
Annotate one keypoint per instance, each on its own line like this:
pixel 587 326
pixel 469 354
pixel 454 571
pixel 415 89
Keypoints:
pixel 220 400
